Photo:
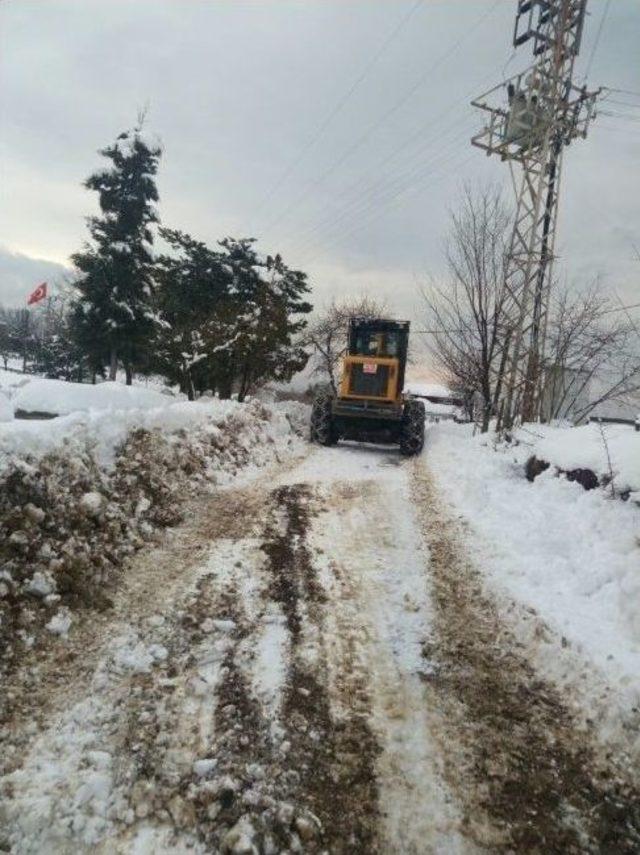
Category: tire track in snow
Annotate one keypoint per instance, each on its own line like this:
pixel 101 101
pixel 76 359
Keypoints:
pixel 516 757
pixel 374 571
pixel 331 756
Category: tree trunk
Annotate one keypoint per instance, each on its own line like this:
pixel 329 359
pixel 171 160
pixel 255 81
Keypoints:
pixel 128 371
pixel 486 410
pixel 113 364
pixel 244 386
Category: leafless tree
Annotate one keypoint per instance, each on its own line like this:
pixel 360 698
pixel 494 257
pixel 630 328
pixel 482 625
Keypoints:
pixel 466 313
pixel 593 354
pixel 327 334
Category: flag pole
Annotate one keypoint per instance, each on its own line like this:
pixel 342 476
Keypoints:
pixel 25 340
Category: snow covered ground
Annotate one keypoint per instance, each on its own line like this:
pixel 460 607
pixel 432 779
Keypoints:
pixel 309 663
pixel 572 555
pixel 332 650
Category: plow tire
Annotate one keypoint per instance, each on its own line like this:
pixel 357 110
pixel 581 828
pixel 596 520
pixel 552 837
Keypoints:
pixel 412 431
pixel 322 427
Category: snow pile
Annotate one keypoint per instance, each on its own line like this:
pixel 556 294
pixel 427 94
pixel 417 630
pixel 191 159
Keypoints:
pixel 428 390
pixel 61 398
pixel 609 451
pixel 70 517
pixel 572 555
pixel 6 408
pixel 12 380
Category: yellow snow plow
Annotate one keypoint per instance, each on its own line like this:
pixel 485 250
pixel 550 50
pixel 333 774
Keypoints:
pixel 370 405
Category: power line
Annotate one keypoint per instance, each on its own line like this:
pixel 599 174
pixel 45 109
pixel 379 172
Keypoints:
pixel 328 216
pixel 631 105
pixel 329 219
pixel 623 116
pixel 413 178
pixel 607 312
pixel 381 186
pixel 339 105
pixel 597 38
pixel 382 119
pixel 378 210
pixel 622 91
pixel 621 308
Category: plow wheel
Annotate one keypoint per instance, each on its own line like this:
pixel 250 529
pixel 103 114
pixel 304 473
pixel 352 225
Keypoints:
pixel 412 432
pixel 322 429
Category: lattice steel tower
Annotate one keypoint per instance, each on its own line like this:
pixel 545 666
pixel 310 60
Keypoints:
pixel 539 112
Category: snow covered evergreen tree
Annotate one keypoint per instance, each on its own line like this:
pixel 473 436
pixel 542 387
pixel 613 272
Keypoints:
pixel 228 318
pixel 113 317
pixel 196 318
pixel 270 300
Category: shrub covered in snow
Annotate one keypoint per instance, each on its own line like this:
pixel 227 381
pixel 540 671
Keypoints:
pixel 592 455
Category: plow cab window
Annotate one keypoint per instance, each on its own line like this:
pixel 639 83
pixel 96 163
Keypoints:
pixel 369 343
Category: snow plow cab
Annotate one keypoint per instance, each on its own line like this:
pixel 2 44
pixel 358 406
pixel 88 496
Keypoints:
pixel 370 405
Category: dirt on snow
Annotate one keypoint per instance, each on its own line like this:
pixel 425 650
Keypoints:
pixel 308 663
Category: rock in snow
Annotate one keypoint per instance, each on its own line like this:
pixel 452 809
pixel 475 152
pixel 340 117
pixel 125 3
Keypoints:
pixel 41 585
pixel 92 504
pixel 201 768
pixel 60 623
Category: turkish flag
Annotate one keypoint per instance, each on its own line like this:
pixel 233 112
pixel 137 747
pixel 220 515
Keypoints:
pixel 39 294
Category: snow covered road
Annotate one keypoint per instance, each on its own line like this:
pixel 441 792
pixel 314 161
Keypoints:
pixel 310 664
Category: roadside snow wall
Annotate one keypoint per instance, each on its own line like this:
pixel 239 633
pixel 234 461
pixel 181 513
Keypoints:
pixel 94 490
pixel 571 555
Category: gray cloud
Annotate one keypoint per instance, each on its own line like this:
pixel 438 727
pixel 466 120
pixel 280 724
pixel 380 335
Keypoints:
pixel 20 274
pixel 238 89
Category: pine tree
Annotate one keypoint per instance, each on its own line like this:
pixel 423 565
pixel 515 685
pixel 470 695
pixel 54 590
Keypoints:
pixel 229 317
pixel 113 318
pixel 270 298
pixel 193 294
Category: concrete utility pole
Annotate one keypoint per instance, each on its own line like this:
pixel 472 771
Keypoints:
pixel 544 112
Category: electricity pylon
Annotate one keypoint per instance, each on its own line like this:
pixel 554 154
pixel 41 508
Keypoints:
pixel 540 112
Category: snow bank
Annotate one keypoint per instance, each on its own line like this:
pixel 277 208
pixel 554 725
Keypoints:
pixel 428 390
pixel 592 446
pixel 572 555
pixel 80 494
pixel 6 408
pixel 61 398
pixel 102 431
pixel 12 380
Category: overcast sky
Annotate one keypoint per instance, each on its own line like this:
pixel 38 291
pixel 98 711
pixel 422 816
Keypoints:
pixel 335 131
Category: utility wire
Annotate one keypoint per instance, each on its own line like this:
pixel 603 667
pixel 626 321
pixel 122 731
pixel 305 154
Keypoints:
pixel 378 210
pixel 433 123
pixel 624 116
pixel 597 38
pixel 395 187
pixel 381 185
pixel 382 119
pixel 328 217
pixel 622 91
pixel 339 105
